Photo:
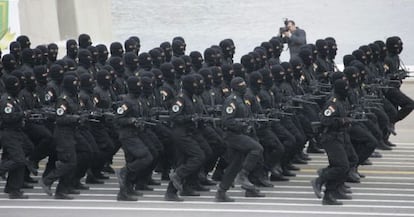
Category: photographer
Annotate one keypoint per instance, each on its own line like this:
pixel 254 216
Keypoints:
pixel 293 36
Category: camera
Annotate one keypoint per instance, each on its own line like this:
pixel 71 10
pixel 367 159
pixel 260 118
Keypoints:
pixel 285 28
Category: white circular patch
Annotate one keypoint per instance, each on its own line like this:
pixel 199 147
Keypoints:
pixel 327 112
pixel 47 97
pixel 8 110
pixel 229 110
pixel 120 111
pixel 60 111
pixel 175 108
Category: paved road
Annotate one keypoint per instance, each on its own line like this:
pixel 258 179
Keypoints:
pixel 388 190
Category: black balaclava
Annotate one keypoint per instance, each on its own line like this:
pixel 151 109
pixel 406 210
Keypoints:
pixel 263 56
pixel 376 52
pixel 145 61
pixel 351 73
pixel 53 50
pixel 210 57
pixel 277 46
pixel 288 71
pixel 12 85
pixel 24 41
pixel 157 77
pixel 179 66
pixel 383 50
pixel 85 58
pixel 15 50
pixel 84 41
pixel 393 45
pixel 86 83
pixel 238 85
pixel 207 76
pixel 44 53
pixel 269 49
pixel 360 56
pixel 102 53
pixel 200 84
pixel 239 70
pixel 116 49
pixel 131 61
pixel 147 86
pixel 306 56
pixel 312 47
pixel 228 73
pixel 166 46
pixel 30 81
pixel 38 57
pixel 9 62
pixel 255 81
pixel 111 72
pixel 94 52
pixel 348 59
pixel 226 48
pixel 71 48
pixel 70 84
pixel 20 75
pixel 118 64
pixel 28 56
pixel 188 64
pixel 63 63
pixel 130 46
pixel 217 75
pixel 361 70
pixel 257 60
pixel 332 47
pixel 71 65
pixel 248 63
pixel 189 84
pixel 138 43
pixel 267 78
pixel 156 57
pixel 168 72
pixel 178 47
pixel 336 76
pixel 278 73
pixel 40 73
pixel 56 73
pixel 219 54
pixel 196 60
pixel 368 52
pixel 297 66
pixel 322 48
pixel 341 89
pixel 103 79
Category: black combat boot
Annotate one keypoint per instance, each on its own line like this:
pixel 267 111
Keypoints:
pixel 221 196
pixel 329 199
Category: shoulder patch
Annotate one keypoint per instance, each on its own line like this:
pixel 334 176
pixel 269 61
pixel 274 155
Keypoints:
pixel 96 100
pixel 175 108
pixel 329 111
pixel 60 111
pixel 229 110
pixel 225 90
pixel 8 110
pixel 247 102
pixel 334 100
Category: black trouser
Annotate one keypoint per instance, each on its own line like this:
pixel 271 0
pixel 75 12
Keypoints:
pixel 42 138
pixel 86 153
pixel 64 138
pixel 273 148
pixel 155 147
pixel 350 151
pixel 288 140
pixel 243 153
pixel 336 172
pixel 363 141
pixel 289 124
pixel 402 101
pixel 217 145
pixel 168 156
pixel 13 158
pixel 105 146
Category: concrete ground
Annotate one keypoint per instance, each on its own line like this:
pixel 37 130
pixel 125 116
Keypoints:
pixel 388 190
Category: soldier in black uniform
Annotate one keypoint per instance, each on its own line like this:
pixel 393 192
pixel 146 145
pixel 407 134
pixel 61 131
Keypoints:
pixel 71 50
pixel 137 155
pixel 335 123
pixel 67 120
pixel 13 140
pixel 244 152
pixel 190 155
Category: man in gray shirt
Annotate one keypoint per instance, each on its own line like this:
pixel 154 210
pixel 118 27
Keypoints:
pixel 294 37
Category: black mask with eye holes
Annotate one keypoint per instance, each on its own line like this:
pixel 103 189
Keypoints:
pixel 166 46
pixel 341 89
pixel 296 64
pixel 217 75
pixel 70 84
pixel 40 73
pixel 306 56
pixel 322 48
pixel 52 52
pixel 72 48
pixel 351 73
pixel 239 70
pixel 145 61
pixel 86 83
pixel 189 84
pixel 102 53
pixel 179 67
pixel 84 41
pixel 15 50
pixel 238 85
pixel 131 61
pixel 116 49
pixel 12 85
pixel 255 81
pixel 196 60
pixel 248 63
pixel 9 62
pixel 207 76
pixel 103 79
pixel 134 86
pixel 210 57
pixel 168 72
